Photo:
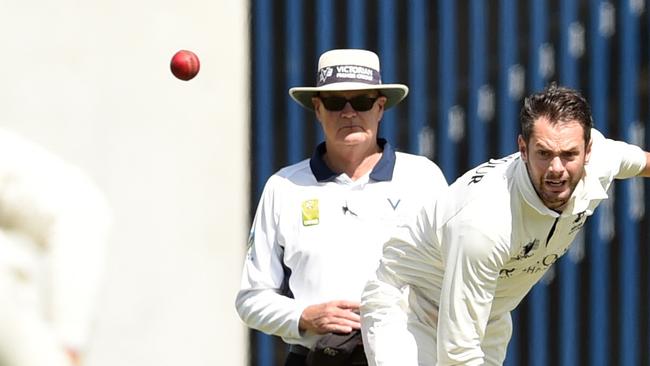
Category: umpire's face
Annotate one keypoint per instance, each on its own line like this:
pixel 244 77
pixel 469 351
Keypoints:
pixel 350 117
pixel 555 158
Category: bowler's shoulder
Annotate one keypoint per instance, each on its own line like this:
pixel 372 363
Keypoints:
pixel 488 184
pixel 492 174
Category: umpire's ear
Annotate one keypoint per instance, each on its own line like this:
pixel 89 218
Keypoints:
pixel 318 105
pixel 522 148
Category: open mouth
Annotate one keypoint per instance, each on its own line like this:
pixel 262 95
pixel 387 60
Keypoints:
pixel 555 184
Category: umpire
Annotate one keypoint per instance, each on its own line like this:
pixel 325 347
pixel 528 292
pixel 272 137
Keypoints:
pixel 320 224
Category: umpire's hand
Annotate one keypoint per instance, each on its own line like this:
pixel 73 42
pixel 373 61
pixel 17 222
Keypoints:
pixel 338 316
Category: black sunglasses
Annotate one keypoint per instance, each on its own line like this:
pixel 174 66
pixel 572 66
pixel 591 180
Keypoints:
pixel 360 103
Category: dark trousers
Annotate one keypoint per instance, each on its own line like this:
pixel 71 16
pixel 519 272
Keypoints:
pixel 294 359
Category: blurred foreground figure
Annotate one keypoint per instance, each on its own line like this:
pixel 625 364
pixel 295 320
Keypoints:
pixel 53 231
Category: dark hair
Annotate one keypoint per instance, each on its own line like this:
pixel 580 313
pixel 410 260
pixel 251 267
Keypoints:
pixel 558 104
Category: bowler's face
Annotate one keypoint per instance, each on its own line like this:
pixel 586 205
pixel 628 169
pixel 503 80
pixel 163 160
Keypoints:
pixel 555 157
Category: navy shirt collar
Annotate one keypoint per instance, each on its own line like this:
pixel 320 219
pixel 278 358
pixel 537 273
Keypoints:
pixel 383 171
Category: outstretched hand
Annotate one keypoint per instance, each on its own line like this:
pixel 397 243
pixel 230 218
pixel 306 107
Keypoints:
pixel 338 316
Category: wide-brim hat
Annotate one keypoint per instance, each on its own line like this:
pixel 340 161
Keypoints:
pixel 349 69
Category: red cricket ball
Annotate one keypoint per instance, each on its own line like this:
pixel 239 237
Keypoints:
pixel 185 65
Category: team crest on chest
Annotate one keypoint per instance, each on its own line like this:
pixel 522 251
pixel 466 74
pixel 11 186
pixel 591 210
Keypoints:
pixel 578 223
pixel 310 213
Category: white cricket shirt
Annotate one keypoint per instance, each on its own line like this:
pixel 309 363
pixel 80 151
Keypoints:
pixel 326 233
pixel 470 261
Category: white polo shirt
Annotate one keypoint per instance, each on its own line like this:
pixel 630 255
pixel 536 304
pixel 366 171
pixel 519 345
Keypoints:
pixel 471 260
pixel 326 233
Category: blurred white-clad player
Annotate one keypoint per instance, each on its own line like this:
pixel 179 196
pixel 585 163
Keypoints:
pixel 54 224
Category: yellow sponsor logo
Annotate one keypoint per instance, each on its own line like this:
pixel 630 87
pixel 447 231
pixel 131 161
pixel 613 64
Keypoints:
pixel 310 213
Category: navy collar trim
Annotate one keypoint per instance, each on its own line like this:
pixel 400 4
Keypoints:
pixel 383 171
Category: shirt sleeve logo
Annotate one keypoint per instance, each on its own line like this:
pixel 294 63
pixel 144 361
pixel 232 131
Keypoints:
pixel 310 213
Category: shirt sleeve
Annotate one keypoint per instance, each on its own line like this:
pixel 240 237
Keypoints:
pixel 473 258
pixel 259 301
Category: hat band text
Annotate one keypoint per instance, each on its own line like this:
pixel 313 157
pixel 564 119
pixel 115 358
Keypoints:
pixel 342 73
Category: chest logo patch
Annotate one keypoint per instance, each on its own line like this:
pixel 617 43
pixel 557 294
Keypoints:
pixel 310 213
